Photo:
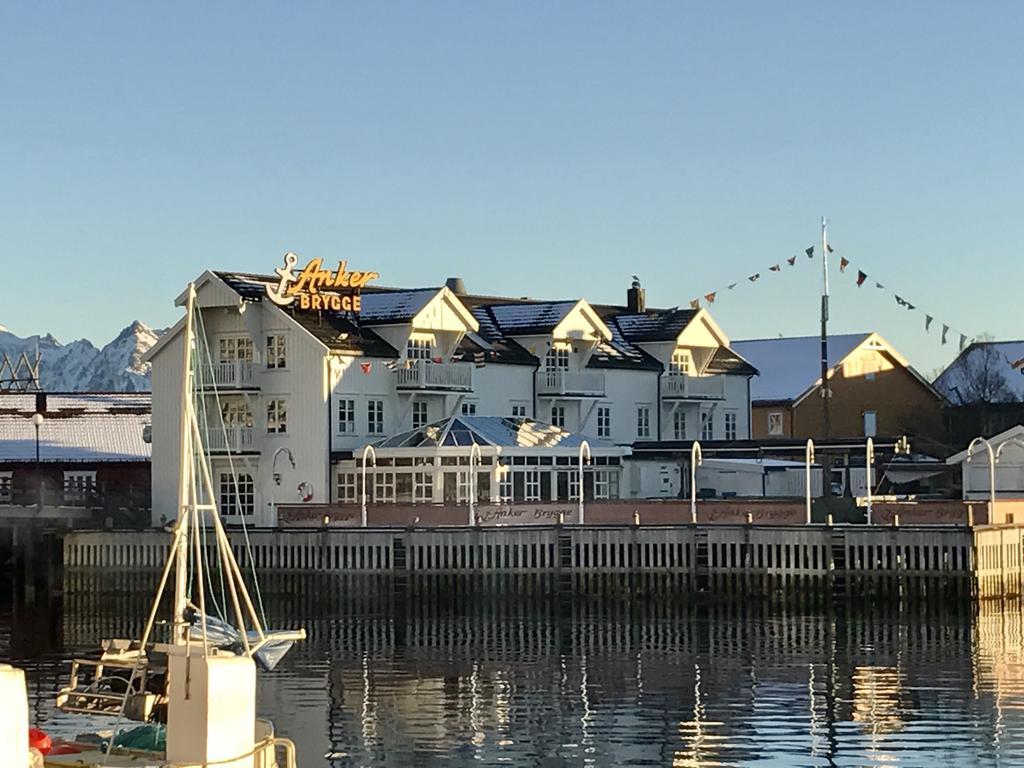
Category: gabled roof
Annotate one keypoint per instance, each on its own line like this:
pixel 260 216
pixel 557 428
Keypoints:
pixel 533 319
pixel 388 307
pixel 493 432
pixel 1005 360
pixel 77 428
pixel 654 325
pixel 788 367
pixel 1011 435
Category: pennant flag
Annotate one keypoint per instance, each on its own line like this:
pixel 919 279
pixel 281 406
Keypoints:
pixel 928 323
pixel 843 264
pixel 829 246
pixel 791 260
pixel 753 278
pixel 710 297
pixel 903 302
pixel 391 364
pixel 861 277
pixel 809 252
pixel 731 286
pixel 963 342
pixel 879 285
pixel 437 359
pixel 945 330
pixel 695 304
pixel 367 367
pixel 776 268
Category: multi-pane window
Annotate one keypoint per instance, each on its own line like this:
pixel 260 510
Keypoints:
pixel 346 416
pixel 237 494
pixel 643 421
pixel 604 421
pixel 707 425
pixel 78 487
pixel 6 485
pixel 730 425
pixel 419 414
pixel 505 484
pixel 469 408
pixel 574 485
pixel 679 424
pixel 277 416
pixel 375 417
pixel 384 487
pixel 558 416
pixel 236 413
pixel 775 423
pixel 681 363
pixel 348 487
pixel 606 484
pixel 532 485
pixel 557 357
pixel 231 348
pixel 422 487
pixel 518 410
pixel 419 349
pixel 277 356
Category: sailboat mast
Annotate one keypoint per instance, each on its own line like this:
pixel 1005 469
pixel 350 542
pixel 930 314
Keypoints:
pixel 185 477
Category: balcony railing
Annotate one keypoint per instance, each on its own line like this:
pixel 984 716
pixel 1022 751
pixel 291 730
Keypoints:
pixel 570 383
pixel 230 439
pixel 424 374
pixel 230 373
pixel 693 387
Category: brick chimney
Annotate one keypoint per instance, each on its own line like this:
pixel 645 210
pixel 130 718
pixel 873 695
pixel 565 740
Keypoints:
pixel 635 298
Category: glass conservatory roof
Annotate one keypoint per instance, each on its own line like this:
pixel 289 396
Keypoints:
pixel 489 431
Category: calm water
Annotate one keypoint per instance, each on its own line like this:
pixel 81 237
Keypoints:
pixel 516 673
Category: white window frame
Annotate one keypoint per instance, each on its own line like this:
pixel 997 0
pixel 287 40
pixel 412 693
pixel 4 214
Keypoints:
pixel 348 487
pixel 519 409
pixel 277 416
pixel 776 423
pixel 234 348
pixel 558 416
pixel 643 420
pixel 422 487
pixel 277 351
pixel 531 484
pixel 6 486
pixel 419 348
pixel 604 421
pixel 707 425
pixel 384 486
pixel 557 357
pixel 468 408
pixel 346 416
pixel 679 424
pixel 236 413
pixel 506 488
pixel 375 416
pixel 606 484
pixel 420 414
pixel 732 420
pixel 231 502
pixel 681 362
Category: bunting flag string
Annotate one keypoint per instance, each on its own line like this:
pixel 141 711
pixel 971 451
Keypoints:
pixel 711 296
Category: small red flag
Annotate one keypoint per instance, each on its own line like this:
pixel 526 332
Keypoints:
pixel 710 297
pixel 843 264
pixel 367 367
pixel 695 304
pixel 861 277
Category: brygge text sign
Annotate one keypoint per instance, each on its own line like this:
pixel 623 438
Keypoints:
pixel 318 288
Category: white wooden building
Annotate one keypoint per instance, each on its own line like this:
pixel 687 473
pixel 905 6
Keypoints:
pixel 300 392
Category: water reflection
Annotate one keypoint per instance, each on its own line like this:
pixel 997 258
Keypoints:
pixel 641 672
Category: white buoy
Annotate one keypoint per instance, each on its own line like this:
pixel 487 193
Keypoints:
pixel 13 717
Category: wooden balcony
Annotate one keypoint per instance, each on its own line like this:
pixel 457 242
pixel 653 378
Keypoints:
pixel 562 383
pixel 425 375
pixel 230 374
pixel 683 387
pixel 231 440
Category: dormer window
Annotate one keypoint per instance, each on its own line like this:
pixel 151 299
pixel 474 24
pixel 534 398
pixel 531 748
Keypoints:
pixel 681 363
pixel 419 349
pixel 557 357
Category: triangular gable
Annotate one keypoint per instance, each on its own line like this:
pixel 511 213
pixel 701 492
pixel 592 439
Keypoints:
pixel 582 322
pixel 211 291
pixel 445 312
pixel 702 331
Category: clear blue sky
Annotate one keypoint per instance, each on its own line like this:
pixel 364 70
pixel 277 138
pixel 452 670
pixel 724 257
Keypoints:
pixel 544 149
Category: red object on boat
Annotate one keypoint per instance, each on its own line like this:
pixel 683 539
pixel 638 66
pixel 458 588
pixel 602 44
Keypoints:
pixel 40 740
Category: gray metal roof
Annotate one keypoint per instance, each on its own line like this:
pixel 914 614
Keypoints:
pixel 788 367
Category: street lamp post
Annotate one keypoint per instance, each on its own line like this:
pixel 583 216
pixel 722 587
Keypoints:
pixel 368 450
pixel 869 460
pixel 584 446
pixel 808 460
pixel 474 451
pixel 37 421
pixel 696 459
pixel 991 471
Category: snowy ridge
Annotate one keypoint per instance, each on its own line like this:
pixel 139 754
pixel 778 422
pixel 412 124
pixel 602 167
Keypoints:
pixel 81 367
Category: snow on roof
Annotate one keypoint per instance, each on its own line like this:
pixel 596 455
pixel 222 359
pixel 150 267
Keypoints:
pixel 1004 358
pixel 1014 434
pixel 533 317
pixel 394 306
pixel 492 431
pixel 80 428
pixel 789 366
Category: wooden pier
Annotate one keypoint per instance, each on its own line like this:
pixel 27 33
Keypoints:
pixel 992 555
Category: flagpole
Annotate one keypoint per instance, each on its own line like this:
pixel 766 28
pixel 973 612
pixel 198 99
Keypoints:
pixel 825 390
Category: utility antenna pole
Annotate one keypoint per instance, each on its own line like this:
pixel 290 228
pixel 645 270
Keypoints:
pixel 826 392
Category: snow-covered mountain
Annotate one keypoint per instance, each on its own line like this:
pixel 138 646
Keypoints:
pixel 81 367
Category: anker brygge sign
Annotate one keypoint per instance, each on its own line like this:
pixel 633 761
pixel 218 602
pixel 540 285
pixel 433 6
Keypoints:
pixel 318 288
